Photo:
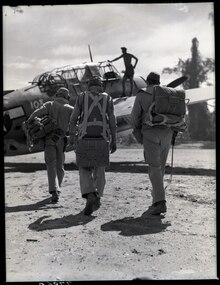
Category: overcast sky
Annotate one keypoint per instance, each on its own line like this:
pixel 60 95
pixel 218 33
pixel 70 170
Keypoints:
pixel 39 38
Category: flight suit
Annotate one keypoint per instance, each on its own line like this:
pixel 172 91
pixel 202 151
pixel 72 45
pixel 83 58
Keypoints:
pixel 92 179
pixel 54 152
pixel 156 141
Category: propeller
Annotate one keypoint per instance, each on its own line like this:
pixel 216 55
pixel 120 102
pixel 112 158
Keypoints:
pixel 177 81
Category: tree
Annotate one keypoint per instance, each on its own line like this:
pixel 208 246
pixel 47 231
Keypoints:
pixel 197 70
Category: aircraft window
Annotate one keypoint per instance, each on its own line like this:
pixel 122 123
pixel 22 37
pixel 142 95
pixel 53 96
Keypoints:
pixel 94 71
pixel 108 71
pixel 50 82
pixel 69 74
pixel 80 73
pixel 15 112
pixel 110 75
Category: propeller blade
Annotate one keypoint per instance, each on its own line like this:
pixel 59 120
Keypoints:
pixel 177 81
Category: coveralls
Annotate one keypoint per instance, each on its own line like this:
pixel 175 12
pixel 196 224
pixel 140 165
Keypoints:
pixel 156 142
pixel 92 179
pixel 55 143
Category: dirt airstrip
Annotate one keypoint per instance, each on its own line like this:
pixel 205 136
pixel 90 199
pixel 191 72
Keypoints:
pixel 120 241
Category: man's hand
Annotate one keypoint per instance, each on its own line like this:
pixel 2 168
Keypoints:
pixel 113 146
pixel 138 135
pixel 72 141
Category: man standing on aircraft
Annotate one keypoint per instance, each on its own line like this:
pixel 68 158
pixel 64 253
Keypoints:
pixel 129 68
pixel 55 143
pixel 156 141
pixel 94 121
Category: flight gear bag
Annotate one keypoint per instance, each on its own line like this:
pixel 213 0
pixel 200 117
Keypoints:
pixel 168 108
pixel 92 152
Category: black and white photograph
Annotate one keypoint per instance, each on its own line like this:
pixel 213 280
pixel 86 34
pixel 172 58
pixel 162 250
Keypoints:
pixel 109 129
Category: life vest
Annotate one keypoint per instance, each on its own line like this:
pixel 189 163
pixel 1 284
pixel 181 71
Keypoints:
pixel 94 122
pixel 168 108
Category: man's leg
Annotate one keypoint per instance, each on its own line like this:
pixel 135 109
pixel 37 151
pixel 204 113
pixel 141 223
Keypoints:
pixel 152 148
pixel 123 85
pixel 166 137
pixel 87 188
pixel 50 159
pixel 60 161
pixel 131 84
pixel 99 179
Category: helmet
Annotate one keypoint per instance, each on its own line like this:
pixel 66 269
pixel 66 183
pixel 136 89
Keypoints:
pixel 63 92
pixel 154 76
pixel 95 81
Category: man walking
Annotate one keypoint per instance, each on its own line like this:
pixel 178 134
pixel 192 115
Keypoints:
pixel 156 141
pixel 129 68
pixel 54 152
pixel 94 122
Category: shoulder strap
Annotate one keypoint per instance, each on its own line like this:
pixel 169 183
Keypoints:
pixel 88 110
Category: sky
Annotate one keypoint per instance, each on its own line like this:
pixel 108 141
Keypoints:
pixel 39 38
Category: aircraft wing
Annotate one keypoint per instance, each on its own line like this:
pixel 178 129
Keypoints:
pixel 198 95
pixel 123 106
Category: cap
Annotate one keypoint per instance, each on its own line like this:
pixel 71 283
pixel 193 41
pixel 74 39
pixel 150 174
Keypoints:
pixel 154 76
pixel 63 92
pixel 123 48
pixel 95 81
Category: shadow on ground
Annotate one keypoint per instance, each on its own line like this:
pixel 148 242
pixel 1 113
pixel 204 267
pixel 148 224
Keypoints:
pixel 59 223
pixel 44 204
pixel 144 225
pixel 126 166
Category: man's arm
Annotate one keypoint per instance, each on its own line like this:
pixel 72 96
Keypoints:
pixel 136 60
pixel 40 112
pixel 74 117
pixel 136 114
pixel 136 122
pixel 117 58
pixel 112 124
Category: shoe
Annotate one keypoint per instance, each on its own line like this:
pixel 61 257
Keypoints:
pixel 91 200
pixel 97 204
pixel 158 208
pixel 55 197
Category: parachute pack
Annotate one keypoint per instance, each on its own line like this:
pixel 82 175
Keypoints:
pixel 38 128
pixel 168 108
pixel 93 143
pixel 94 121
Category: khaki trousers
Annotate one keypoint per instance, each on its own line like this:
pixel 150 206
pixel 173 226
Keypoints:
pixel 157 143
pixel 92 179
pixel 54 157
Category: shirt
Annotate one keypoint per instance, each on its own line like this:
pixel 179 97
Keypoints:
pixel 139 113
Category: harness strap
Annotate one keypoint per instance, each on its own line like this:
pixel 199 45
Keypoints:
pixel 87 112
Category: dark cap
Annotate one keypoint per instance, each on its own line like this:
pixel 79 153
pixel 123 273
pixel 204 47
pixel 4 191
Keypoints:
pixel 154 76
pixel 63 92
pixel 123 48
pixel 95 81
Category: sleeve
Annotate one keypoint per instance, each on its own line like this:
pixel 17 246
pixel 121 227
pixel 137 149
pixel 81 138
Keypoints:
pixel 112 117
pixel 75 115
pixel 41 111
pixel 136 113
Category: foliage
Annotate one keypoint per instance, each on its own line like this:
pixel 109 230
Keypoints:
pixel 197 70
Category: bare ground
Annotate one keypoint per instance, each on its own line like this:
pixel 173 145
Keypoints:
pixel 120 241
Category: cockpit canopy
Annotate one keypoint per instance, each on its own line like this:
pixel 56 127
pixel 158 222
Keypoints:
pixel 74 77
